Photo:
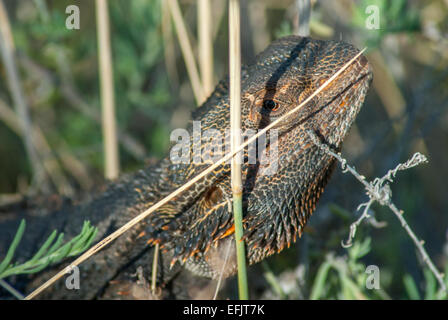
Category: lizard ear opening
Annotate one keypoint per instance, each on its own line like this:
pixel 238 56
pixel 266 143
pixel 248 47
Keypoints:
pixel 213 197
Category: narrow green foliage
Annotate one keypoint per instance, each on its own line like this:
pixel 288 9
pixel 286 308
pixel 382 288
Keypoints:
pixel 319 282
pixel 429 287
pixel 5 263
pixel 411 287
pixel 345 277
pixel 271 279
pixel 50 252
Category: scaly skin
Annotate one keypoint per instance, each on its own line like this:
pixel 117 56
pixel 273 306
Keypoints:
pixel 196 228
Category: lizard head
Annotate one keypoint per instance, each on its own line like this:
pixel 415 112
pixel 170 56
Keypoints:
pixel 289 71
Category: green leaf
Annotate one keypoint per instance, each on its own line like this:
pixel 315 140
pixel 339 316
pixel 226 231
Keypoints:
pixel 319 282
pixel 37 268
pixel 89 241
pixel 80 242
pixel 353 291
pixel 44 247
pixel 411 287
pixel 63 251
pixel 13 247
pixel 431 286
pixel 57 244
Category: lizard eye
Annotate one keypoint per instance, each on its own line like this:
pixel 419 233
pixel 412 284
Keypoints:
pixel 270 105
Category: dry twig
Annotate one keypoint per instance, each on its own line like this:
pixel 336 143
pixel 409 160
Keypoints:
pixel 379 191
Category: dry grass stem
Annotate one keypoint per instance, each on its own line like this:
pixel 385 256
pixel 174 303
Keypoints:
pixel 235 129
pixel 205 45
pixel 187 51
pixel 111 156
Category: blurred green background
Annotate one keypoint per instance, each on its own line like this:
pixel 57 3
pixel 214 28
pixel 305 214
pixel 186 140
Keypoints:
pixel 406 111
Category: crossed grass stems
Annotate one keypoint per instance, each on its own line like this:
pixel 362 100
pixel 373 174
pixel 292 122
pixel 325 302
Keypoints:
pixel 378 191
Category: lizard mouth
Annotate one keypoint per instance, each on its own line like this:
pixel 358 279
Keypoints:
pixel 339 111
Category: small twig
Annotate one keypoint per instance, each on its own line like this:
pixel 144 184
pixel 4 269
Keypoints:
pixel 354 225
pixel 379 190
